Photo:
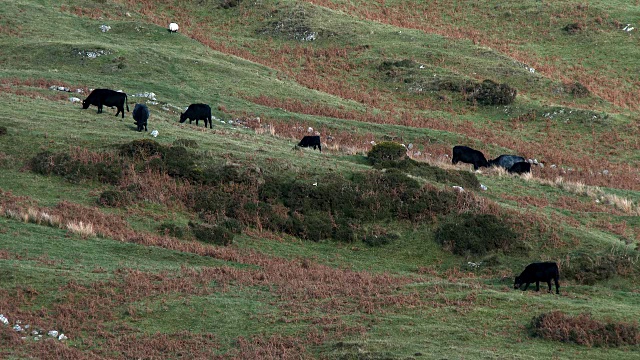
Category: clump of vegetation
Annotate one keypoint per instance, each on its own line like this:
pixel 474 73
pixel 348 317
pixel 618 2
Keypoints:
pixel 114 198
pixel 492 93
pixel 188 143
pixel 228 4
pixel 74 170
pixel 584 330
pixel 141 149
pixel 3 130
pixel 378 236
pixel 574 28
pixel 172 229
pixel 577 89
pixel 386 151
pixel 212 234
pixel 472 234
pixel 589 269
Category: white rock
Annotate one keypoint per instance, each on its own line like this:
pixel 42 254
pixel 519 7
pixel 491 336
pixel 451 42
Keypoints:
pixel 79 91
pixel 53 333
pixel 410 146
pixel 458 188
pixel 154 133
pixel 17 328
pixel 62 337
pixel 4 320
pixel 483 187
pixel 34 332
pixel 105 28
pixel 373 143
pixel 74 99
pixel 605 172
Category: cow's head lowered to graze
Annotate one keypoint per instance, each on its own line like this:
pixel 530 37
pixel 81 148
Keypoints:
pixel 536 272
pixel 468 155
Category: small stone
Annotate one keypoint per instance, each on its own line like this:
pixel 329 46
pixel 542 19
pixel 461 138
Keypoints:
pixel 53 333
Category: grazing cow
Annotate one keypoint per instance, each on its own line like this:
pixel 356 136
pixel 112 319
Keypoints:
pixel 197 112
pixel 141 115
pixel 469 156
pixel 308 141
pixel 536 272
pixel 106 97
pixel 506 161
pixel 521 167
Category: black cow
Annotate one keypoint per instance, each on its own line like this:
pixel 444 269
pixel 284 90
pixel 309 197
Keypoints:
pixel 106 97
pixel 469 156
pixel 197 112
pixel 141 115
pixel 521 167
pixel 536 272
pixel 506 161
pixel 308 141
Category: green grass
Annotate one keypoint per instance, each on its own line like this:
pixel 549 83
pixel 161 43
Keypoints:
pixel 300 299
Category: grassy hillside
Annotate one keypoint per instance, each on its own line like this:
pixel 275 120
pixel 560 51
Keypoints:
pixel 230 243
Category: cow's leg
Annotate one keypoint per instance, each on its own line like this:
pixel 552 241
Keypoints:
pixel 99 108
pixel 557 285
pixel 537 285
pixel 210 124
pixel 549 283
pixel 118 112
pixel 526 286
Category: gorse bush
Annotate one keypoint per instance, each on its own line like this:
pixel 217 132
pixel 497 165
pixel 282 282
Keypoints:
pixel 491 93
pixel 211 234
pixel 584 330
pixel 386 151
pixel 471 234
pixel 172 229
pixel 74 170
pixel 114 198
pixel 588 269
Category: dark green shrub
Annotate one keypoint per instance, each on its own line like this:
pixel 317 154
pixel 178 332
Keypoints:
pixel 209 199
pixel 386 151
pixel 429 204
pixel 186 143
pixel 142 149
pixel 172 229
pixel 114 198
pixel 466 179
pixel 344 232
pixel 3 130
pixel 589 269
pixel 577 90
pixel 179 163
pixel 314 226
pixel 492 93
pixel 61 164
pixel 211 234
pixel 584 330
pixel 471 234
pixel 379 237
pixel 232 225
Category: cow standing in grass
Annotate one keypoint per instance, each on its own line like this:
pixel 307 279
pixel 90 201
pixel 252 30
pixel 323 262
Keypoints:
pixel 197 112
pixel 106 97
pixel 468 155
pixel 521 167
pixel 141 115
pixel 506 161
pixel 536 272
pixel 309 141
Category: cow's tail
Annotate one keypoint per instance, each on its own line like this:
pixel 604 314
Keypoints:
pixel 126 102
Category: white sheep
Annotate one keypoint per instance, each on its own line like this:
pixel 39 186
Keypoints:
pixel 173 27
